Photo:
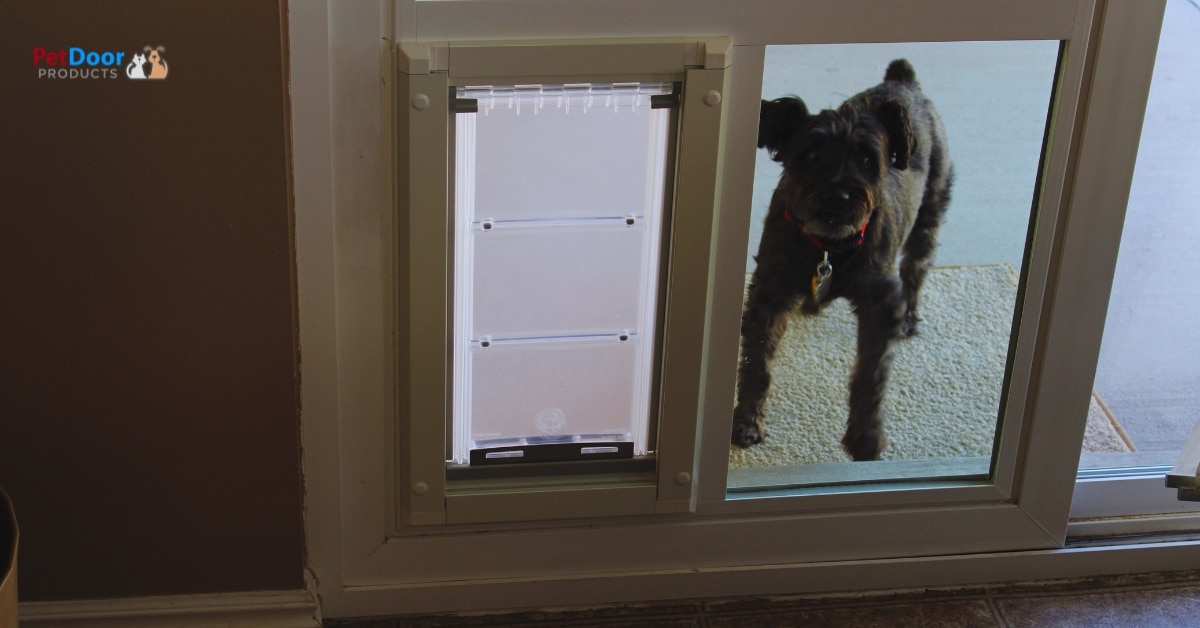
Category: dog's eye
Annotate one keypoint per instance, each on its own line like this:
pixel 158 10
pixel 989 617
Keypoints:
pixel 866 160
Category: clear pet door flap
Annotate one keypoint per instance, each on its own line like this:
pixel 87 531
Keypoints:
pixel 559 193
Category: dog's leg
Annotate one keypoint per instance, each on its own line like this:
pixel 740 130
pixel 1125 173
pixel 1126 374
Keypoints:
pixel 880 310
pixel 764 321
pixel 918 252
pixel 919 248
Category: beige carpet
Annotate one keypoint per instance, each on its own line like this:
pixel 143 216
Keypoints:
pixel 944 394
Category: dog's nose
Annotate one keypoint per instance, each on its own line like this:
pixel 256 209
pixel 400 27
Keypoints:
pixel 837 198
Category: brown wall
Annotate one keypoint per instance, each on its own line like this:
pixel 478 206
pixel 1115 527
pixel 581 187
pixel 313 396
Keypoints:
pixel 148 390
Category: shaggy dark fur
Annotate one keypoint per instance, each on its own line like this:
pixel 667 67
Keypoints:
pixel 879 159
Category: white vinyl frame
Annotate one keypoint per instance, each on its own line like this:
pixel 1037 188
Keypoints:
pixel 424 73
pixel 920 536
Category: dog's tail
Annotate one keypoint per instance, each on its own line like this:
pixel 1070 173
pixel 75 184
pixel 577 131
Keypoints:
pixel 900 70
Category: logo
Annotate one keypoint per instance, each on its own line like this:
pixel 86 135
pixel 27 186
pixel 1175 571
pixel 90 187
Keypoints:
pixel 79 63
pixel 551 421
pixel 158 66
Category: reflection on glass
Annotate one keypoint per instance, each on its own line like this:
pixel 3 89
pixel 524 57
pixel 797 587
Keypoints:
pixel 943 395
pixel 1148 377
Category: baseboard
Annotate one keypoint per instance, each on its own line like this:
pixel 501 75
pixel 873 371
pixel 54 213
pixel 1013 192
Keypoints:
pixel 283 609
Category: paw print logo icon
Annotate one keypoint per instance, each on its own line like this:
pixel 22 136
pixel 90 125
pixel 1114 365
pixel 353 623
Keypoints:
pixel 148 64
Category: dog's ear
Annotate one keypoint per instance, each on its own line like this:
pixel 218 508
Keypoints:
pixel 778 120
pixel 901 140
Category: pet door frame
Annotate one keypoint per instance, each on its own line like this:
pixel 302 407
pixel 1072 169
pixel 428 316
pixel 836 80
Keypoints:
pixel 362 562
pixel 428 75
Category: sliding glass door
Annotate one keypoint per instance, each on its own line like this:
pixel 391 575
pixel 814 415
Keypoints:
pixel 553 400
pixel 1146 395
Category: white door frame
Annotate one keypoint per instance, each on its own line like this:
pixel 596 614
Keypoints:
pixel 343 188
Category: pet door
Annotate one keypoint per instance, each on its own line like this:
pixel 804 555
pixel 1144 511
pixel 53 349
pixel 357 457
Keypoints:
pixel 558 212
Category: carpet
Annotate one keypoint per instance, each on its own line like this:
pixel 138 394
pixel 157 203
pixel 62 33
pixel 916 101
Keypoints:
pixel 944 392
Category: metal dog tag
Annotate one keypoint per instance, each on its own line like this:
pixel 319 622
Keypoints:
pixel 821 280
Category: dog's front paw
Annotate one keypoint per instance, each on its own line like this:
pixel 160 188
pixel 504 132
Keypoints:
pixel 908 328
pixel 864 444
pixel 748 432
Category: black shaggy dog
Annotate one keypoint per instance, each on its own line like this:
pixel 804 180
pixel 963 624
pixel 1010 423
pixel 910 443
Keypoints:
pixel 860 184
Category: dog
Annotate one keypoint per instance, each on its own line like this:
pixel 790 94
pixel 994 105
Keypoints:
pixel 158 65
pixel 864 188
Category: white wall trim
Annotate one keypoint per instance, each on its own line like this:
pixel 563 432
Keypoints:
pixel 283 609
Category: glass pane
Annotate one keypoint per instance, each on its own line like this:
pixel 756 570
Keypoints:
pixel 1147 386
pixel 854 182
pixel 559 194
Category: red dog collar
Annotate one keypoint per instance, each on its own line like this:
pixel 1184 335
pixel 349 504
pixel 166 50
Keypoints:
pixel 862 232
